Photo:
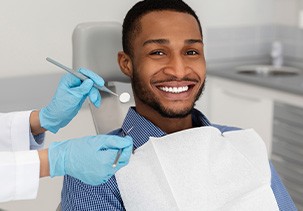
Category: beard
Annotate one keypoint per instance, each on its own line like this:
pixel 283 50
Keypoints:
pixel 144 95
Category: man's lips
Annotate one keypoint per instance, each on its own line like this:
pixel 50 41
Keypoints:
pixel 175 87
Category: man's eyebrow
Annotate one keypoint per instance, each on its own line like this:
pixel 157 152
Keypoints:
pixel 193 41
pixel 156 41
pixel 166 41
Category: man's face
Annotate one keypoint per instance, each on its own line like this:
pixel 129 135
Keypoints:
pixel 168 65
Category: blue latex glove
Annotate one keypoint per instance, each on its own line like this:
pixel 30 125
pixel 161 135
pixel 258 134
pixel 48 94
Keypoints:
pixel 89 159
pixel 68 99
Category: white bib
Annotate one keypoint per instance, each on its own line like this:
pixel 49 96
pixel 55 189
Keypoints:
pixel 199 169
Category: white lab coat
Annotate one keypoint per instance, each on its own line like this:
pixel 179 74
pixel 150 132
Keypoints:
pixel 19 166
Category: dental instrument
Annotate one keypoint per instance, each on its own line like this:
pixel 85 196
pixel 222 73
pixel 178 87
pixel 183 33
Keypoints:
pixel 120 150
pixel 124 97
pixel 80 76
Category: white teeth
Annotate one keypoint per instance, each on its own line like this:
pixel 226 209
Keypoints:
pixel 174 89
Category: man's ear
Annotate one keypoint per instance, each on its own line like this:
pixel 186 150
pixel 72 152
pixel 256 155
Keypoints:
pixel 125 64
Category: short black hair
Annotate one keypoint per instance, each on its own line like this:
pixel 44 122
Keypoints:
pixel 131 21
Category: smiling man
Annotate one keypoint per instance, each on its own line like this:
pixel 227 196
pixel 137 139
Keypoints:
pixel 164 57
pixel 166 64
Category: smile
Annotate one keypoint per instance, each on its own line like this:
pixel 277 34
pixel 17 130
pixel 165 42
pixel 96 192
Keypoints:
pixel 175 90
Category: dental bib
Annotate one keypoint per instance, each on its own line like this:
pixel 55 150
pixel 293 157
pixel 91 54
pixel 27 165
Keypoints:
pixel 199 169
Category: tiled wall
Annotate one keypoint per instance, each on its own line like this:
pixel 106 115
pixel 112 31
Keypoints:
pixel 253 43
pixel 292 39
pixel 234 43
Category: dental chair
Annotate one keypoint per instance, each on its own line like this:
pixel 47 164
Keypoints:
pixel 95 47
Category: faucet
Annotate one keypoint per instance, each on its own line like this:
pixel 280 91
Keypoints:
pixel 276 54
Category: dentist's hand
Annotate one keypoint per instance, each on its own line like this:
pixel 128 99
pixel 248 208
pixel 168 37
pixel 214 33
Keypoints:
pixel 68 99
pixel 89 159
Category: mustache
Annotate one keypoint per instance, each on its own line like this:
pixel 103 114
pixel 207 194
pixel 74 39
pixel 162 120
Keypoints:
pixel 172 78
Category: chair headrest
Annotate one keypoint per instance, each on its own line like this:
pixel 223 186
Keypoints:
pixel 96 46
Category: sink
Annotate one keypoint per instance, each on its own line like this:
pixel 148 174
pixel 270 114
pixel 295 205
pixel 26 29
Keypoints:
pixel 267 70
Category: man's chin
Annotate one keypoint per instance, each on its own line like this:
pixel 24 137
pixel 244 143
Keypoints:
pixel 173 113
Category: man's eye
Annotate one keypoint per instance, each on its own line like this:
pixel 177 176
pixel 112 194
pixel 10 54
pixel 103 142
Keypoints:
pixel 192 52
pixel 159 53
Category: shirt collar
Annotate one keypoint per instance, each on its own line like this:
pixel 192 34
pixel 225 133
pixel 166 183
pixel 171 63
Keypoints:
pixel 140 129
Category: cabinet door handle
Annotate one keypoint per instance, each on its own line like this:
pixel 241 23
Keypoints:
pixel 236 95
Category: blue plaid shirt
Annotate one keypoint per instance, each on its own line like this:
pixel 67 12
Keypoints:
pixel 79 196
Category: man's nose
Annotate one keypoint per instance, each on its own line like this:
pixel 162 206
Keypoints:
pixel 177 66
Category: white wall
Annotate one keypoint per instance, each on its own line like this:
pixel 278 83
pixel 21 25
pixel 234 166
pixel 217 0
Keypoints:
pixel 31 30
pixel 287 12
pixel 216 13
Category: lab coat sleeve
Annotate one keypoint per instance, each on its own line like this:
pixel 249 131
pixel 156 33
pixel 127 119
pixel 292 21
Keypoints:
pixel 15 132
pixel 19 178
pixel 19 166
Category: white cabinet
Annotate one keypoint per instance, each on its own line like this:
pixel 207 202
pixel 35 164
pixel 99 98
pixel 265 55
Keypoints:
pixel 244 105
pixel 287 148
pixel 276 115
pixel 241 105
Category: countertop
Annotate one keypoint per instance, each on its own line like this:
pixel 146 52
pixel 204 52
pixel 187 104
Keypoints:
pixel 287 83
